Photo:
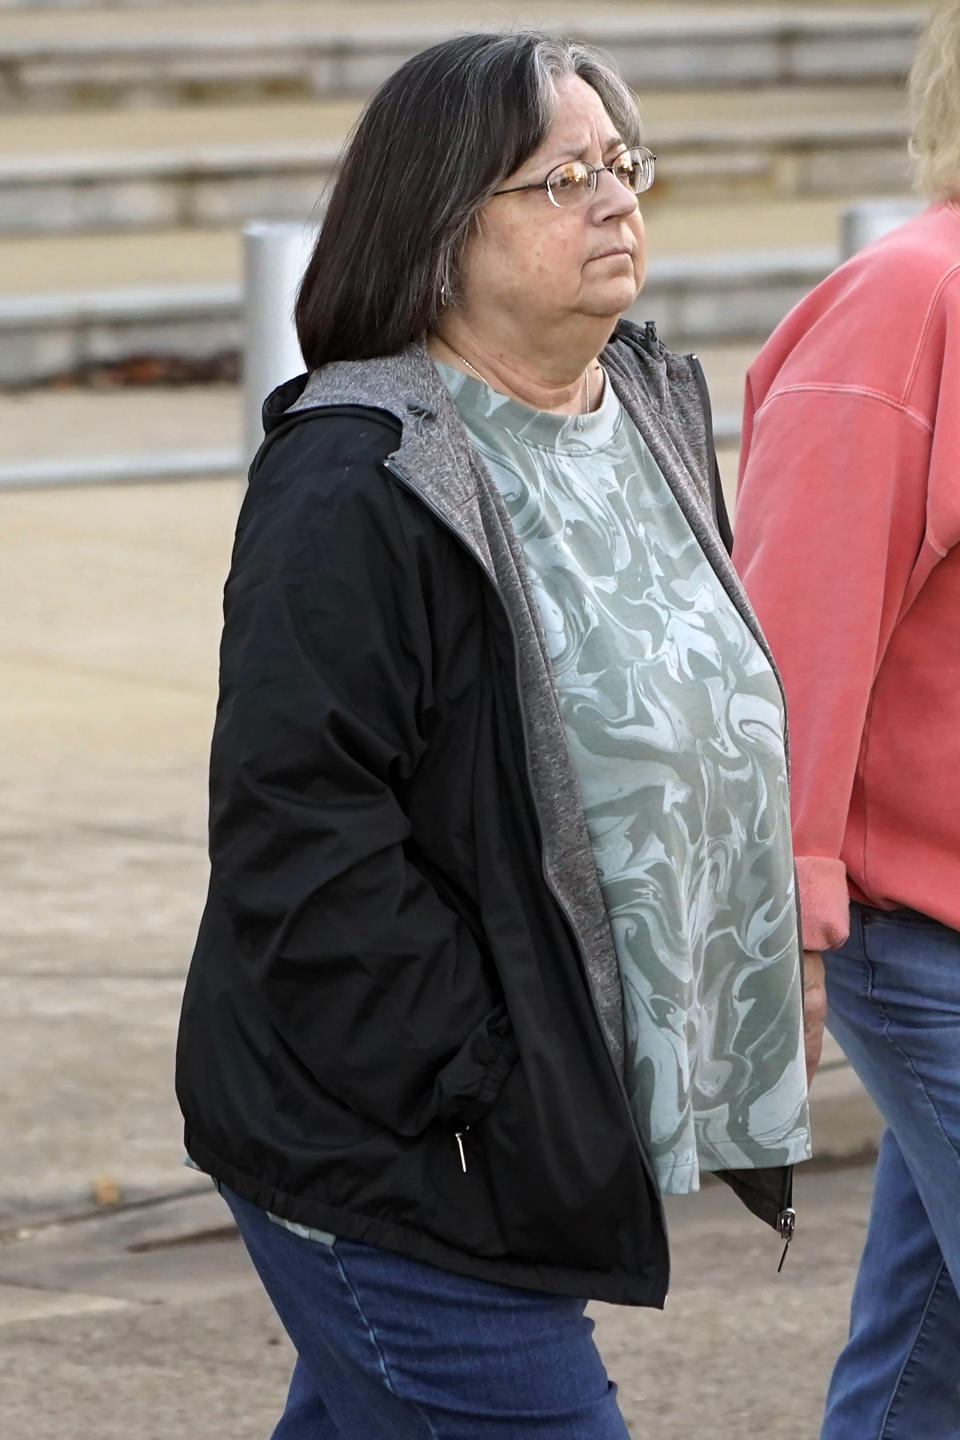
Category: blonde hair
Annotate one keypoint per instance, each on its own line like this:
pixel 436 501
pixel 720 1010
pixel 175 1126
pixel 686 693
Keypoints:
pixel 935 104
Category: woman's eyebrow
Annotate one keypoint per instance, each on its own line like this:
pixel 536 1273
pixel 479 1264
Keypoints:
pixel 563 157
pixel 607 145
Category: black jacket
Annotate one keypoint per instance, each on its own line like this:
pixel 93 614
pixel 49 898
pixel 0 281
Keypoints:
pixel 389 1029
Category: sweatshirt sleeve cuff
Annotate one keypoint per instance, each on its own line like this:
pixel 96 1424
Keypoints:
pixel 824 902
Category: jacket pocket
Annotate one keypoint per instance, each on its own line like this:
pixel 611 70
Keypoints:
pixel 468 1085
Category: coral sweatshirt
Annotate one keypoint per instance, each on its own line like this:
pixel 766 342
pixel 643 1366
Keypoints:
pixel 847 530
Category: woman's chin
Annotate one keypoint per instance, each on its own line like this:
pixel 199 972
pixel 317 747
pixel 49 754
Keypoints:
pixel 610 299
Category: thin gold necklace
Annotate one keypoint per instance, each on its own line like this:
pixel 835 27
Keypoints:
pixel 464 361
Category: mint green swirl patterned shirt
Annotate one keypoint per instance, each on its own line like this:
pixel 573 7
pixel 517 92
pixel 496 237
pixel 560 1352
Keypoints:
pixel 675 725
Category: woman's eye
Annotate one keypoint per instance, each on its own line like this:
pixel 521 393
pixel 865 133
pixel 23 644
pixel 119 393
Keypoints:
pixel 568 178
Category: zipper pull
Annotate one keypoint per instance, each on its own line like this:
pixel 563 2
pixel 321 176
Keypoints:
pixel 463 1154
pixel 786 1224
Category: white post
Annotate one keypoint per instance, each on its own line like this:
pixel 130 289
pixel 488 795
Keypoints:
pixel 870 219
pixel 275 255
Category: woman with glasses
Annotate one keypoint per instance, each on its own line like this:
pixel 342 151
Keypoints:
pixel 500 945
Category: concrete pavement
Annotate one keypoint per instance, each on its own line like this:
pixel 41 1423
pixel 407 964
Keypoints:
pixel 109 603
pixel 150 1323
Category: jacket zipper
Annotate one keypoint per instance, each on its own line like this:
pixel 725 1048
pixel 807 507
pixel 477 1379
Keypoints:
pixel 786 1224
pixel 787 1216
pixel 719 500
pixel 491 579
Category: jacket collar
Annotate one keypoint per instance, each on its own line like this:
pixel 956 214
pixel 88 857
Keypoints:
pixel 646 377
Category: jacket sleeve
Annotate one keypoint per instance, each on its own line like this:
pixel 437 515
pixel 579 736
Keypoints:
pixel 375 984
pixel 830 516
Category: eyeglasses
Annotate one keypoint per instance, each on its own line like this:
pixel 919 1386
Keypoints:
pixel 573 181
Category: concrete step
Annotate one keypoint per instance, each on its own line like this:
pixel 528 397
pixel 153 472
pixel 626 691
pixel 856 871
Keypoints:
pixel 197 168
pixel 59 423
pixel 41 264
pixel 194 329
pixel 85 6
pixel 81 436
pixel 174 299
pixel 182 53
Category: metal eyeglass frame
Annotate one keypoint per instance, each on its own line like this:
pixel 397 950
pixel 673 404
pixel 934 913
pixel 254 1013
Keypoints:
pixel 647 158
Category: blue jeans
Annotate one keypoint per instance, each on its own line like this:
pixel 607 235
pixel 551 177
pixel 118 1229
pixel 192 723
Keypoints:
pixel 392 1349
pixel 893 995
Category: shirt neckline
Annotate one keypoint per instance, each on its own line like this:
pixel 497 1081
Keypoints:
pixel 486 409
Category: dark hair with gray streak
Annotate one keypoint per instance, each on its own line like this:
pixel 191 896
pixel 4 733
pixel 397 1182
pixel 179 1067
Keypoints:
pixel 438 137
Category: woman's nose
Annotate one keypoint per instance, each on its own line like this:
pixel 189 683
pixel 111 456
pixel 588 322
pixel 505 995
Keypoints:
pixel 612 195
